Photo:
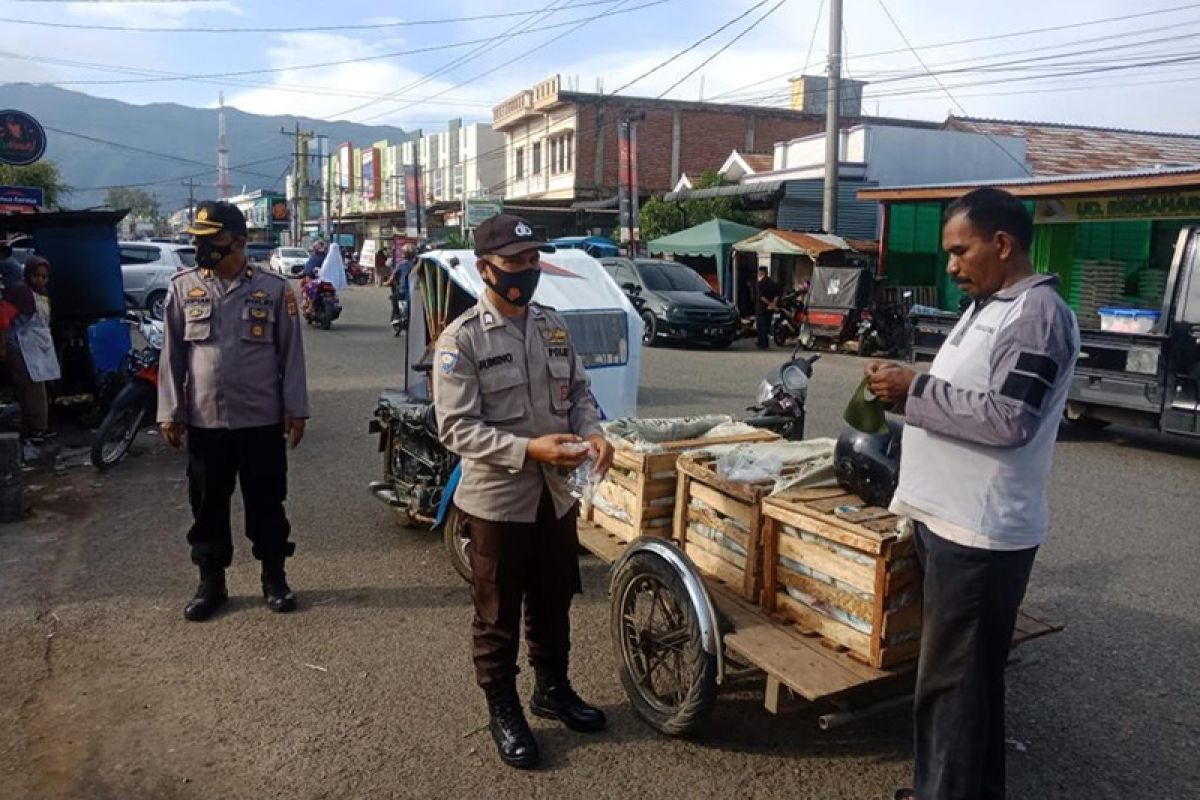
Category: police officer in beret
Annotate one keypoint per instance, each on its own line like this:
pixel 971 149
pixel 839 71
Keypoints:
pixel 232 383
pixel 512 399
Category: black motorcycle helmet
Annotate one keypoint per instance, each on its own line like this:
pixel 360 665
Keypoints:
pixel 868 464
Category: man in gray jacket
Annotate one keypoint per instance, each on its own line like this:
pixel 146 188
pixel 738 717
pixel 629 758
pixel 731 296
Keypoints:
pixel 978 443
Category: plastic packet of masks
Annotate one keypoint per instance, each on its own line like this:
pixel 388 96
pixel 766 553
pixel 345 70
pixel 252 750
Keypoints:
pixel 747 465
pixel 582 481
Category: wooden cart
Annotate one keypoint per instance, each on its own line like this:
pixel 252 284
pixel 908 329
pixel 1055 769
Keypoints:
pixel 679 635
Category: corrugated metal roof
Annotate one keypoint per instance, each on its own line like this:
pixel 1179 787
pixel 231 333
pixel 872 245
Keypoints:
pixel 764 189
pixel 1048 185
pixel 1053 148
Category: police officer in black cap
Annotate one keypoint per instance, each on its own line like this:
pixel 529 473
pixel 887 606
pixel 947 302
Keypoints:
pixel 512 399
pixel 232 382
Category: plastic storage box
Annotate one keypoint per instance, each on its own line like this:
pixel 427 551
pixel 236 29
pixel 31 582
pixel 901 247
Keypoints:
pixel 1128 320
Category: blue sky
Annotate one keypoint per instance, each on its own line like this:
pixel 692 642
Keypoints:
pixel 614 49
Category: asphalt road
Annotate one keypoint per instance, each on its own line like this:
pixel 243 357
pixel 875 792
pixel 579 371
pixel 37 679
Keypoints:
pixel 367 692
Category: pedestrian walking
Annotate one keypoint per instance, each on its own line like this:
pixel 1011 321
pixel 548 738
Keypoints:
pixel 232 383
pixel 29 347
pixel 512 399
pixel 976 455
pixel 767 292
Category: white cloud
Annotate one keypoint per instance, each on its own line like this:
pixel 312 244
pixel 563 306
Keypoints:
pixel 166 15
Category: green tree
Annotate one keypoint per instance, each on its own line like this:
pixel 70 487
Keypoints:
pixel 140 203
pixel 662 218
pixel 43 175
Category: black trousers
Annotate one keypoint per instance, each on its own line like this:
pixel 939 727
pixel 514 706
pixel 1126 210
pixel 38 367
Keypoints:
pixel 256 458
pixel 515 563
pixel 971 600
pixel 763 325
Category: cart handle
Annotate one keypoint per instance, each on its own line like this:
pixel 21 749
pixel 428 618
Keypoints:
pixel 706 612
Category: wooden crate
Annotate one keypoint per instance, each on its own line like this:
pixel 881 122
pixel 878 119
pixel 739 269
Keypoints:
pixel 642 486
pixel 715 519
pixel 855 578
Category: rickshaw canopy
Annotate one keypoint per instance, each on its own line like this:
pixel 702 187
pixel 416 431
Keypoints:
pixel 605 328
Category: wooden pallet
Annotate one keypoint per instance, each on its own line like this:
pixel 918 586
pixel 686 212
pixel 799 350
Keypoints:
pixel 841 569
pixel 642 486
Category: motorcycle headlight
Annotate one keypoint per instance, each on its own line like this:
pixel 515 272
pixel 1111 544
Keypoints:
pixel 766 390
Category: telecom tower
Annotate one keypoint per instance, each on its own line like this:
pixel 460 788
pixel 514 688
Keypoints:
pixel 222 152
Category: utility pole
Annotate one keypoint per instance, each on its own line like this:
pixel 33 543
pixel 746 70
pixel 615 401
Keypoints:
pixel 191 187
pixel 299 203
pixel 833 127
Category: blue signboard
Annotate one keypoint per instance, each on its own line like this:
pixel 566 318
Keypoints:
pixel 21 198
pixel 22 139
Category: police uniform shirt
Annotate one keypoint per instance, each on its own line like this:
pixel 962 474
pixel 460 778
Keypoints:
pixel 497 384
pixel 981 425
pixel 232 355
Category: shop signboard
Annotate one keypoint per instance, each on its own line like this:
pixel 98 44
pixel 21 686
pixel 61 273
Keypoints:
pixel 481 208
pixel 22 138
pixel 269 211
pixel 21 199
pixel 371 164
pixel 345 161
pixel 412 201
pixel 1157 205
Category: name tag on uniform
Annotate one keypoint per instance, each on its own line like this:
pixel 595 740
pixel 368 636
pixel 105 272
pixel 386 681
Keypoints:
pixel 558 352
pixel 492 361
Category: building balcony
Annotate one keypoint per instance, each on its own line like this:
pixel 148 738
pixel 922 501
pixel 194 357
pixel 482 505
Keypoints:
pixel 513 110
pixel 546 94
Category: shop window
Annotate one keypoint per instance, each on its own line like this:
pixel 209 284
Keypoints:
pixel 519 163
pixel 537 159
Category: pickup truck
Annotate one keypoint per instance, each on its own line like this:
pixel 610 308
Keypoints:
pixel 1149 380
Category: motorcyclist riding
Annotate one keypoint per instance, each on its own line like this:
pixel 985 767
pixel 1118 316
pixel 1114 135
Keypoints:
pixel 398 282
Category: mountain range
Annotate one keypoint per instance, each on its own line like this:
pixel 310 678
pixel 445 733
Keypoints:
pixel 97 143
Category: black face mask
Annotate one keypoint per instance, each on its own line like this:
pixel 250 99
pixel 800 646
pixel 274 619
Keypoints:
pixel 515 287
pixel 209 254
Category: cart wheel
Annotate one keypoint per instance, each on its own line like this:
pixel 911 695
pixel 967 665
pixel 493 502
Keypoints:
pixel 457 543
pixel 669 678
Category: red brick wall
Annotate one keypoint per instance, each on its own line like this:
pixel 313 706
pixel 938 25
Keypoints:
pixel 707 136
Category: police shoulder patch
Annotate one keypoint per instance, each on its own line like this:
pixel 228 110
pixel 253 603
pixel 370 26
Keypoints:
pixel 447 359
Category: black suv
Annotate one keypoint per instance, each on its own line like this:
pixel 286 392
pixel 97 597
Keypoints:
pixel 675 302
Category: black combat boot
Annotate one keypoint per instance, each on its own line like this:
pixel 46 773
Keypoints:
pixel 553 698
pixel 210 596
pixel 275 588
pixel 514 741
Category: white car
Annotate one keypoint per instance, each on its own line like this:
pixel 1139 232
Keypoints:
pixel 289 261
pixel 147 269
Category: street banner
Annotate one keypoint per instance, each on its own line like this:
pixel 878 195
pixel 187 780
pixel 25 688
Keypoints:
pixel 412 201
pixel 624 206
pixel 21 199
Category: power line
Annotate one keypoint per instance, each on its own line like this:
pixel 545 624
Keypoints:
pixel 692 46
pixel 174 178
pixel 361 59
pixel 451 64
pixel 366 26
pixel 977 39
pixel 723 48
pixel 513 60
pixel 957 104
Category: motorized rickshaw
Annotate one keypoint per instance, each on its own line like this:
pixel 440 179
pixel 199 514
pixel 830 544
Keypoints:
pixel 835 301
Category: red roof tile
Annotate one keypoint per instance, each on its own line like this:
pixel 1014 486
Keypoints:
pixel 1061 149
pixel 759 162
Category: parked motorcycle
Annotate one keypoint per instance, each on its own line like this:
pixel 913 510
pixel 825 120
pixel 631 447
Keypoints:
pixel 886 330
pixel 419 474
pixel 136 402
pixel 780 405
pixel 321 304
pixel 784 319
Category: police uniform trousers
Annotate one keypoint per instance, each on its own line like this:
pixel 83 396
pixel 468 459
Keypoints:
pixel 255 458
pixel 534 563
pixel 971 600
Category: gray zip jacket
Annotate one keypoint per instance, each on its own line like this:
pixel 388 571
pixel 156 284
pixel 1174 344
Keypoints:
pixel 981 425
